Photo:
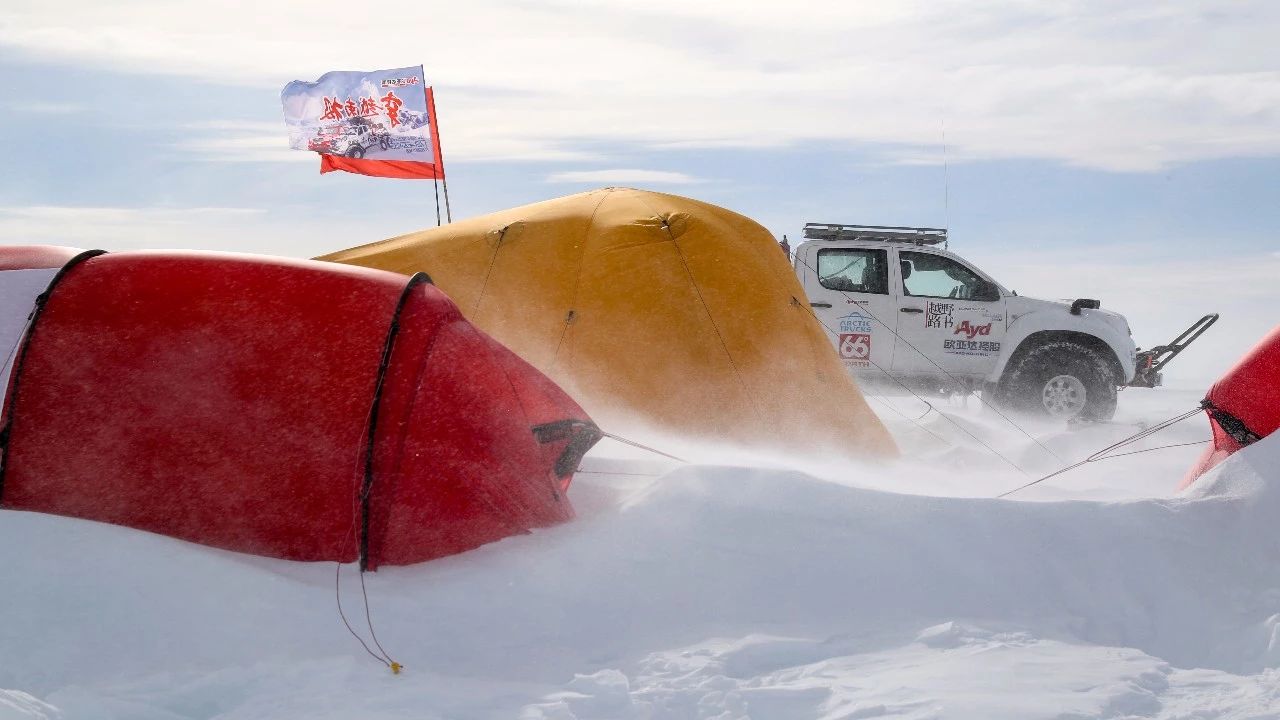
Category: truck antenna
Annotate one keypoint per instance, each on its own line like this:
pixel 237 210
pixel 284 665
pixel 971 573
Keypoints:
pixel 946 186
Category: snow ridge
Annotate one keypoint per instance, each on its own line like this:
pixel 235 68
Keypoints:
pixel 710 592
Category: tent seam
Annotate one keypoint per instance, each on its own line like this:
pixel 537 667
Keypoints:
pixel 577 281
pixel 479 488
pixel 366 487
pixel 502 234
pixel 710 318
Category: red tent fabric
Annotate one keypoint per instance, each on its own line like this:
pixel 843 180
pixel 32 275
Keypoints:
pixel 244 402
pixel 1244 405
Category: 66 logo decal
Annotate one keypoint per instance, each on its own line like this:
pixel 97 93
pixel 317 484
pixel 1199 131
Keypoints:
pixel 855 349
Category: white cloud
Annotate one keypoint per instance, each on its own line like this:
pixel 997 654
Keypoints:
pixel 128 228
pixel 1123 86
pixel 238 141
pixel 116 215
pixel 45 108
pixel 288 231
pixel 234 141
pixel 124 228
pixel 622 176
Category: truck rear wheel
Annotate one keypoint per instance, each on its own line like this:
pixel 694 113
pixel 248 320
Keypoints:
pixel 1062 380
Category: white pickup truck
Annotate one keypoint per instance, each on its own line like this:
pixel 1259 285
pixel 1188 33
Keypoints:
pixel 902 309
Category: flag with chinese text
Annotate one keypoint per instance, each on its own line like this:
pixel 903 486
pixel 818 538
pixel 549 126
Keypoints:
pixel 380 123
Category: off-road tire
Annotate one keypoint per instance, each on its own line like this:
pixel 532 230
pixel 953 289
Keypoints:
pixel 1071 367
pixel 356 151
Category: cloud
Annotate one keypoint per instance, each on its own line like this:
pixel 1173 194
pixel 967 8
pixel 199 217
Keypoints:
pixel 116 215
pixel 293 231
pixel 1137 86
pixel 240 141
pixel 622 176
pixel 125 228
pixel 235 141
pixel 45 108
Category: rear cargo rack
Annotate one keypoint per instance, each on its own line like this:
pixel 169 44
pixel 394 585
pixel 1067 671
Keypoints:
pixel 883 233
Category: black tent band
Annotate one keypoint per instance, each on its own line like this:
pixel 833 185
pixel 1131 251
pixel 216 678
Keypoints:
pixel 367 486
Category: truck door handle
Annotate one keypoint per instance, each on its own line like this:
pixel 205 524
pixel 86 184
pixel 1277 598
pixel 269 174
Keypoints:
pixel 912 310
pixel 820 305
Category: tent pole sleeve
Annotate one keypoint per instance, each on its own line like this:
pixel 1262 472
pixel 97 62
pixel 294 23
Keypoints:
pixel 366 488
pixel 36 310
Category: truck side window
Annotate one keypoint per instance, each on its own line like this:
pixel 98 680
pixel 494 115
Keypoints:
pixel 854 270
pixel 929 275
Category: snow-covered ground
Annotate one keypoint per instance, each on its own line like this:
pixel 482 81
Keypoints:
pixel 731 587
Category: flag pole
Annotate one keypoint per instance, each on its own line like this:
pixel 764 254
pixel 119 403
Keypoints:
pixel 435 137
pixel 436 184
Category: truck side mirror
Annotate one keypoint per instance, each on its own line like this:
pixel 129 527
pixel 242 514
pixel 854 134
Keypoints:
pixel 1089 303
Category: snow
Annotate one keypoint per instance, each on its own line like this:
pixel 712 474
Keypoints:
pixel 18 292
pixel 730 587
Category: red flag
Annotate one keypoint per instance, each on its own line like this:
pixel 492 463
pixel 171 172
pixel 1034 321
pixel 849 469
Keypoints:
pixel 403 169
pixel 369 123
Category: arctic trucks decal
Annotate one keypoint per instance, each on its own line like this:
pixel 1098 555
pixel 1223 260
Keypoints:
pixel 855 340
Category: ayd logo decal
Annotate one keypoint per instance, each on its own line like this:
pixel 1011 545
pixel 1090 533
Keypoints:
pixel 971 331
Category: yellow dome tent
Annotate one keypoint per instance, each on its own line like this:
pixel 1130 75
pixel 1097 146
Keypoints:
pixel 650 309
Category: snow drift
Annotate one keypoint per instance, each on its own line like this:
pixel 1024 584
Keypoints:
pixel 709 592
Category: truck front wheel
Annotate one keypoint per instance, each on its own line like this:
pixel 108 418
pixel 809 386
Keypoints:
pixel 1062 380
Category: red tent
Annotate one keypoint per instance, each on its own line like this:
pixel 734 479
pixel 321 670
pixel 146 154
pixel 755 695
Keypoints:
pixel 1244 405
pixel 292 409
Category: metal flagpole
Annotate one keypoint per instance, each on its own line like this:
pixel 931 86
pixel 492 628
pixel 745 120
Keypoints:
pixel 448 214
pixel 435 133
pixel 436 184
pixel 435 142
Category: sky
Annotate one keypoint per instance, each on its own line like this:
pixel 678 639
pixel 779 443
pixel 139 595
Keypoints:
pixel 1124 151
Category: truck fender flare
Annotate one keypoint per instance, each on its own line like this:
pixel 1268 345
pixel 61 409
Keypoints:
pixel 1025 335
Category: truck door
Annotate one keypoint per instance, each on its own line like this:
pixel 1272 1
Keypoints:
pixel 849 292
pixel 949 316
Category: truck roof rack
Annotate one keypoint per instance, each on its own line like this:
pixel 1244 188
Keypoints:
pixel 883 233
